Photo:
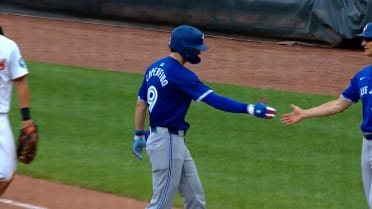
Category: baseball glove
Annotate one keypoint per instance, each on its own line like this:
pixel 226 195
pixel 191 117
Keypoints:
pixel 27 143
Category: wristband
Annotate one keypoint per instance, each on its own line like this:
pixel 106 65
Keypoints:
pixel 25 112
pixel 250 109
pixel 139 133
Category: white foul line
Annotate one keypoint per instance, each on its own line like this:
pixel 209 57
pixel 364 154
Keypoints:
pixel 19 204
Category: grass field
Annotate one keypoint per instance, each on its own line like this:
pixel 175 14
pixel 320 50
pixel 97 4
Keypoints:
pixel 86 127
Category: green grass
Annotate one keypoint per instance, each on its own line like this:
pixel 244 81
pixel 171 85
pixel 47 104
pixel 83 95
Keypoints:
pixel 86 127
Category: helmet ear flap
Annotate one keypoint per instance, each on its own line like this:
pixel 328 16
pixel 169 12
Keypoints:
pixel 191 56
pixel 186 53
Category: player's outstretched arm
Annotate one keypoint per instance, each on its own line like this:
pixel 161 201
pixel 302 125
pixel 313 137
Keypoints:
pixel 329 108
pixel 260 109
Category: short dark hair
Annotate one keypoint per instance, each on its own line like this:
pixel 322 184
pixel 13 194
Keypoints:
pixel 1 31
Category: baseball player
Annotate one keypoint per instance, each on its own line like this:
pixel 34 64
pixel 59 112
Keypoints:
pixel 166 93
pixel 12 70
pixel 360 88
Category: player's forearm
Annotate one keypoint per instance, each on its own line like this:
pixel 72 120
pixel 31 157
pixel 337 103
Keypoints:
pixel 140 115
pixel 326 109
pixel 23 92
pixel 225 104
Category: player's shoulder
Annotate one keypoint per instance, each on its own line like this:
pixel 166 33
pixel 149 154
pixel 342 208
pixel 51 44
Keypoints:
pixel 368 67
pixel 159 63
pixel 171 67
pixel 365 71
pixel 6 39
pixel 6 42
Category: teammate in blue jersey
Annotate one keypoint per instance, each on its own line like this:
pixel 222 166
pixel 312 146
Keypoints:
pixel 360 88
pixel 166 93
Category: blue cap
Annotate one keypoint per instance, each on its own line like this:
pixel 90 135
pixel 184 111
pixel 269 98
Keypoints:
pixel 367 31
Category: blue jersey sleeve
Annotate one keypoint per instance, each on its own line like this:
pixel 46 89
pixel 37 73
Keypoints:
pixel 225 104
pixel 190 84
pixel 351 93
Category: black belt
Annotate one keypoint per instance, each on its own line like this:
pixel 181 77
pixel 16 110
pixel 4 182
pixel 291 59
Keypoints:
pixel 368 136
pixel 171 131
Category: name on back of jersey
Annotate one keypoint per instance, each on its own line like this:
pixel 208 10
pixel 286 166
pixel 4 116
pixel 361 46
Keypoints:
pixel 158 72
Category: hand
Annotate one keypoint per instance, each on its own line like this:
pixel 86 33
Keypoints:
pixel 27 142
pixel 294 117
pixel 260 110
pixel 139 143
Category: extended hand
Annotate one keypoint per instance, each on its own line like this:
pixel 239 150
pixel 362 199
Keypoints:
pixel 294 117
pixel 260 110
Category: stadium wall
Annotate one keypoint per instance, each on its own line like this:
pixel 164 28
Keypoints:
pixel 316 21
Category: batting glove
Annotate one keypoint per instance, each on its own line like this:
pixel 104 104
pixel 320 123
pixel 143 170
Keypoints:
pixel 260 110
pixel 139 142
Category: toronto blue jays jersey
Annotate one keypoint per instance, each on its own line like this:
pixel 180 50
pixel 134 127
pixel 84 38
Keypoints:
pixel 360 88
pixel 168 88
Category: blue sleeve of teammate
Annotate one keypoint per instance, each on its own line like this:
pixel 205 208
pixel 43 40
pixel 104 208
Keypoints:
pixel 352 91
pixel 225 104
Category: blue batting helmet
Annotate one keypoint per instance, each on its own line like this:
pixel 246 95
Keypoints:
pixel 187 41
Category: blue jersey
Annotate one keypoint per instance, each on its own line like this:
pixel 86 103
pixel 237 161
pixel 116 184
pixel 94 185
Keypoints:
pixel 168 88
pixel 360 88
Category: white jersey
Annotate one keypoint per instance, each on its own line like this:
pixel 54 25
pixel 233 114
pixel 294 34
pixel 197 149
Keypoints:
pixel 12 67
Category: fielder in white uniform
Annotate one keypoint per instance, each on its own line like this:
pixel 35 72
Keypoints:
pixel 12 71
